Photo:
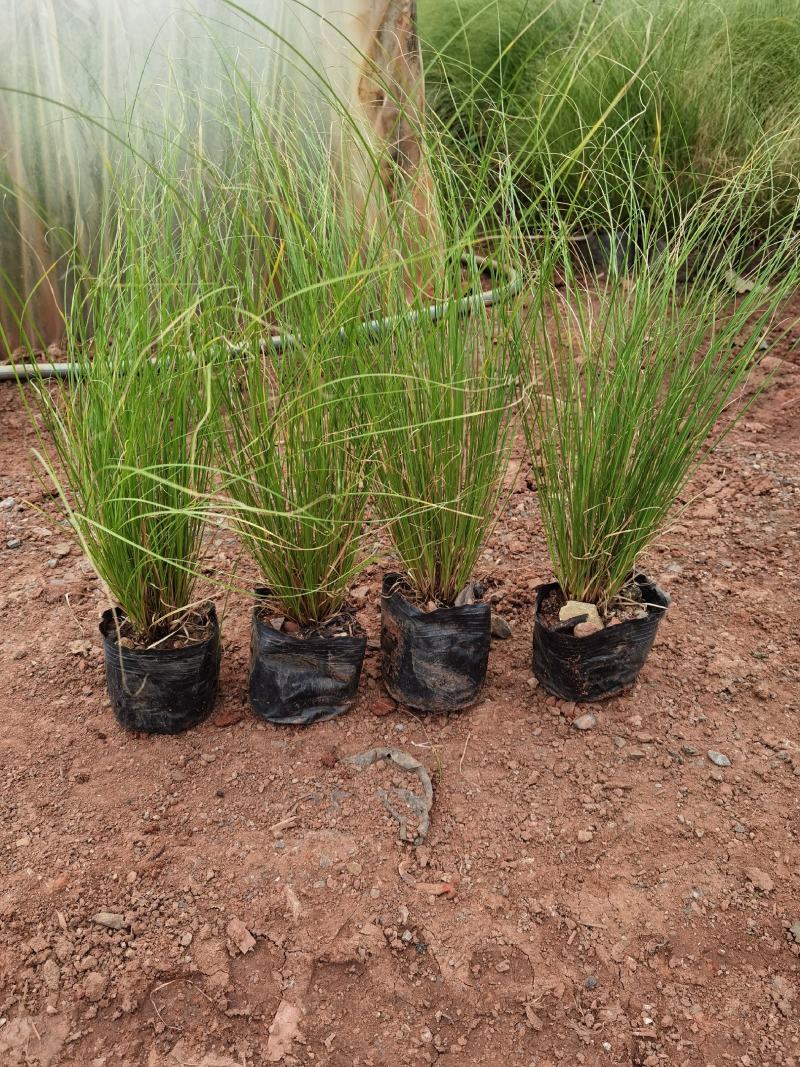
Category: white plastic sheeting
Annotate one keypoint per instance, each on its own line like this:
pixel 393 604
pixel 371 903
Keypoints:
pixel 79 76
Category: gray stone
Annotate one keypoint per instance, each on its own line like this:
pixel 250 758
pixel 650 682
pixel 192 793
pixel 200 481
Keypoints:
pixel 111 919
pixel 718 758
pixel 7 504
pixel 794 931
pixel 585 722
pixel 466 596
pixel 13 542
pixel 500 628
pixel 590 982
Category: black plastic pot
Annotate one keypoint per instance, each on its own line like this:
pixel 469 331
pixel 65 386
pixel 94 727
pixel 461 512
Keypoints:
pixel 433 660
pixel 601 664
pixel 160 690
pixel 295 681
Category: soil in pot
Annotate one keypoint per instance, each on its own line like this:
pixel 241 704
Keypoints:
pixel 167 687
pixel 306 676
pixel 602 663
pixel 432 660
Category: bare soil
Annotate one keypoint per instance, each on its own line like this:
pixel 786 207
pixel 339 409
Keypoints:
pixel 238 895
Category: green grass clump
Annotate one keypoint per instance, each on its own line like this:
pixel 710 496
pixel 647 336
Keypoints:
pixel 295 474
pixel 634 378
pixel 129 437
pixel 300 260
pixel 443 425
pixel 574 90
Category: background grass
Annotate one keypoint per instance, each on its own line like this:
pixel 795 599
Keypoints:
pixel 573 90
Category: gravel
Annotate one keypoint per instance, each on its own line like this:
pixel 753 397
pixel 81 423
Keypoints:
pixel 718 758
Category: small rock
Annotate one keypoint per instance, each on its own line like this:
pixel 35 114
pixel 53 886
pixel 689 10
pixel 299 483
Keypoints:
pixel 383 706
pixel 760 879
pixel 227 717
pixel 719 758
pixel 575 608
pixel 590 982
pixel 466 596
pixel 13 542
pixel 51 973
pixel 94 986
pixel 63 949
pixel 111 919
pixel 585 722
pixel 240 935
pixel 794 931
pixel 585 836
pixel 208 757
pixel 62 549
pixel 7 504
pixel 500 628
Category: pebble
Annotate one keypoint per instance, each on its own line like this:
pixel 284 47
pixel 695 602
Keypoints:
pixel 500 628
pixel 590 982
pixel 718 758
pixel 619 742
pixel 51 973
pixel 585 836
pixel 13 542
pixel 111 919
pixel 760 879
pixel 94 986
pixel 62 549
pixel 585 722
pixel 575 608
pixel 794 930
pixel 7 504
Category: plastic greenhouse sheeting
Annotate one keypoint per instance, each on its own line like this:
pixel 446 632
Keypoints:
pixel 81 75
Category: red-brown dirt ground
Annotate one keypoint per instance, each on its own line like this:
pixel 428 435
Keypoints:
pixel 612 897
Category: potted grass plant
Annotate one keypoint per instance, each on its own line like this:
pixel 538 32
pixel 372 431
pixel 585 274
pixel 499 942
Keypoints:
pixel 631 382
pixel 443 431
pixel 295 477
pixel 126 440
pixel 295 466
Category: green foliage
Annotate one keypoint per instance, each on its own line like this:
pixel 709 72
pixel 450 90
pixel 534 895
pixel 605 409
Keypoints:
pixel 632 380
pixel 574 90
pixel 131 434
pixel 443 425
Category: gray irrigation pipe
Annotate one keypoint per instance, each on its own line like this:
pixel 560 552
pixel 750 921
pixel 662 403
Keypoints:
pixel 23 372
